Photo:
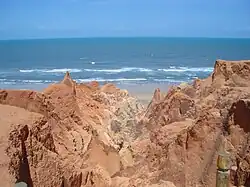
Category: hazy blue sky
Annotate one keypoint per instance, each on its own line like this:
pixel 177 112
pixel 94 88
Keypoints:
pixel 91 18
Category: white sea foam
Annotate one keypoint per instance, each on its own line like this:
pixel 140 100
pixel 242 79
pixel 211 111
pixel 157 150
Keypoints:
pixel 63 70
pixel 145 70
pixel 172 67
pixel 27 70
pixel 13 81
pixel 120 70
pixel 32 81
pixel 110 80
pixel 187 69
pixel 8 82
pixel 126 69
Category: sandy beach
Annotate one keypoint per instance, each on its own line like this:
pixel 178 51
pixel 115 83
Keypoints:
pixel 143 92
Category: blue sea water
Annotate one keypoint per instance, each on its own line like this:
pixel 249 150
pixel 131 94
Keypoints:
pixel 118 60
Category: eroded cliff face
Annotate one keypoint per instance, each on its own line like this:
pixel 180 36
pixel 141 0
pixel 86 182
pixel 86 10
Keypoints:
pixel 70 142
pixel 79 135
pixel 187 127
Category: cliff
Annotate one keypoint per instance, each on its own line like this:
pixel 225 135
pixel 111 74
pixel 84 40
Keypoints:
pixel 79 135
pixel 186 128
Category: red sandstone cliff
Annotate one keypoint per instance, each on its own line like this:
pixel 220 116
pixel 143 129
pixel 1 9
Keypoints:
pixel 65 139
pixel 90 135
pixel 186 127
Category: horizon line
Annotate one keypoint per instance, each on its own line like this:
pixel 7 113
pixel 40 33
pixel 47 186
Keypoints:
pixel 128 37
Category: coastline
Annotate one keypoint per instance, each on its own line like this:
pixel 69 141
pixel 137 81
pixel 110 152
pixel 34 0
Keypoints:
pixel 143 92
pixel 111 132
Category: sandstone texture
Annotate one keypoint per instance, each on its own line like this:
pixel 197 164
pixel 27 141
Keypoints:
pixel 76 135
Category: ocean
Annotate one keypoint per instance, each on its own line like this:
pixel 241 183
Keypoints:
pixel 26 64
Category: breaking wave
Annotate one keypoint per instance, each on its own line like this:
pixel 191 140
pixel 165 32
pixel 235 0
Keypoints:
pixel 13 81
pixel 111 80
pixel 63 70
pixel 115 80
pixel 187 69
pixel 120 70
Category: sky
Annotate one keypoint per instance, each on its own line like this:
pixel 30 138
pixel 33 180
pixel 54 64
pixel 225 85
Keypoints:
pixel 20 19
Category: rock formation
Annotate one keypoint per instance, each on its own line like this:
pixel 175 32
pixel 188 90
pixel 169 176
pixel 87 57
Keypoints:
pixel 78 135
pixel 65 139
pixel 186 127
